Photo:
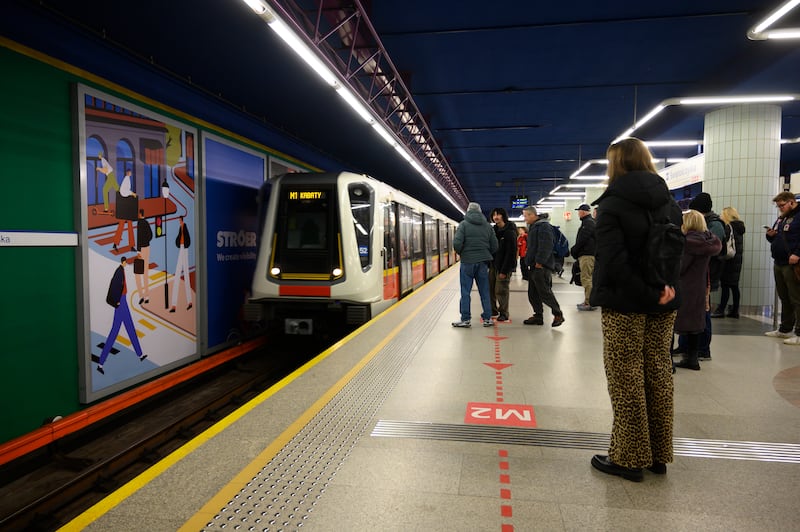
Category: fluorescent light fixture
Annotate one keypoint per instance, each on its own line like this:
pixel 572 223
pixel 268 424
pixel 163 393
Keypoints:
pixel 569 194
pixel 385 135
pixel 672 143
pixel 357 106
pixel 758 32
pixel 657 109
pixel 585 185
pixel 301 49
pixel 784 34
pixel 711 100
pixel 590 177
pixel 256 6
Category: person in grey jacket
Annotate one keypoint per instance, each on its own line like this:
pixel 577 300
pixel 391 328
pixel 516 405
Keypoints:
pixel 476 243
pixel 542 263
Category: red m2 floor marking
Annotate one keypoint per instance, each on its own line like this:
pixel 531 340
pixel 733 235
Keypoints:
pixel 500 414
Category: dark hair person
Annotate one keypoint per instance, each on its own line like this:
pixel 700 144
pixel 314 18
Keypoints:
pixel 637 317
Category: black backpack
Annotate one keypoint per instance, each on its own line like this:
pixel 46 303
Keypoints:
pixel 663 251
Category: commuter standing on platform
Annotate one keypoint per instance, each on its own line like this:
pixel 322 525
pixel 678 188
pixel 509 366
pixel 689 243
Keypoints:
pixel 476 243
pixel 541 263
pixel 505 261
pixel 731 268
pixel 701 245
pixel 637 317
pixel 702 203
pixel 583 251
pixel 784 239
pixel 522 249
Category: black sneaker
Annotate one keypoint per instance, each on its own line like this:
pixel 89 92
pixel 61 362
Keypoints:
pixel 558 319
pixel 703 356
pixel 502 317
pixel 536 319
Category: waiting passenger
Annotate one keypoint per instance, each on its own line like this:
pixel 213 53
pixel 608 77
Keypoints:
pixel 701 245
pixel 474 240
pixel 731 268
pixel 583 253
pixel 784 239
pixel 637 317
pixel 541 263
pixel 504 264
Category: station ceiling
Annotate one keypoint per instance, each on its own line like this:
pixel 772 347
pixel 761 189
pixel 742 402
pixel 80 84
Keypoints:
pixel 517 95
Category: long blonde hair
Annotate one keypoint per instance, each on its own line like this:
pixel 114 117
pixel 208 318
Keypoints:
pixel 628 155
pixel 729 214
pixel 693 221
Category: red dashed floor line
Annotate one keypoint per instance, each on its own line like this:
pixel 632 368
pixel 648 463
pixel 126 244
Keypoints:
pixel 506 512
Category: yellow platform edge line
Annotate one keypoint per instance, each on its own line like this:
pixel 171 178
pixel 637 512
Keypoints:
pixel 211 508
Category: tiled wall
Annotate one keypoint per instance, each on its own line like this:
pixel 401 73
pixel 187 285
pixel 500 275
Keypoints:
pixel 742 163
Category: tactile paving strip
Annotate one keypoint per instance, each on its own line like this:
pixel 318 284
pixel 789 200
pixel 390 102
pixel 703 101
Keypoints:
pixel 731 450
pixel 283 494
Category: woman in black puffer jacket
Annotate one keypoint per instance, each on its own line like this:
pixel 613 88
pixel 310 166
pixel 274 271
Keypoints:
pixel 732 268
pixel 637 317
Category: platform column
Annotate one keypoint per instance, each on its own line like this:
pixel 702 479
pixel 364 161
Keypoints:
pixel 742 165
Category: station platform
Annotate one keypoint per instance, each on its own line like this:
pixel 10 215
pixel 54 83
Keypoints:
pixel 411 424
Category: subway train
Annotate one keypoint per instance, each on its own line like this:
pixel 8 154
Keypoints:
pixel 339 248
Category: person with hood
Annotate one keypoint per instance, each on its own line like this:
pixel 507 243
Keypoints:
pixel 541 264
pixel 476 243
pixel 505 262
pixel 731 268
pixel 637 317
pixel 701 245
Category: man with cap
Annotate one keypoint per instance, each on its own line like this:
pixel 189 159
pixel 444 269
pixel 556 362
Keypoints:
pixel 476 243
pixel 583 251
pixel 541 261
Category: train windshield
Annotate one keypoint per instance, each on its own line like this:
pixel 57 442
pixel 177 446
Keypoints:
pixel 307 243
pixel 361 207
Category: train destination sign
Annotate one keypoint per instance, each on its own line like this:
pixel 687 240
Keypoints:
pixel 306 194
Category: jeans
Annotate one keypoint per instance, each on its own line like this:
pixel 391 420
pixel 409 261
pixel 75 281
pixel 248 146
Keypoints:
pixel 480 274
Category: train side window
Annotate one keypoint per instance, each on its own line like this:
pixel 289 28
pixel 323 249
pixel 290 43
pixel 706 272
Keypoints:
pixel 362 201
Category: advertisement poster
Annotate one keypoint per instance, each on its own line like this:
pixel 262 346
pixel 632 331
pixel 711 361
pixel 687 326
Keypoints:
pixel 233 177
pixel 137 207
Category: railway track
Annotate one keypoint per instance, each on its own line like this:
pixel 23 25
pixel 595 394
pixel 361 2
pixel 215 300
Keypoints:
pixel 48 488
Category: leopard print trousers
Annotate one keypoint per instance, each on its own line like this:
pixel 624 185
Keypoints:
pixel 636 355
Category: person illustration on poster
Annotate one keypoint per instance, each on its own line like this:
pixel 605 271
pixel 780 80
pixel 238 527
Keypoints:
pixel 125 191
pixel 111 179
pixel 117 290
pixel 141 266
pixel 182 242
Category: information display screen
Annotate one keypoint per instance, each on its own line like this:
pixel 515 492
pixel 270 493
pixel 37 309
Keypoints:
pixel 519 202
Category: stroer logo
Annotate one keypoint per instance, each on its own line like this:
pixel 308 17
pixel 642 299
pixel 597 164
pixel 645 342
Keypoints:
pixel 500 414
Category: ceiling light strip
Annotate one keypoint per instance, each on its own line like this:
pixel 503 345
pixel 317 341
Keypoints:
pixel 384 99
pixel 759 33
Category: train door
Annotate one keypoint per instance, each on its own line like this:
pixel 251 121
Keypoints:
pixel 404 233
pixel 443 253
pixel 417 250
pixel 390 270
pixel 431 247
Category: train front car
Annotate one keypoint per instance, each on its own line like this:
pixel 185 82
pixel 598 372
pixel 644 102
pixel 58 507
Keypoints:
pixel 319 267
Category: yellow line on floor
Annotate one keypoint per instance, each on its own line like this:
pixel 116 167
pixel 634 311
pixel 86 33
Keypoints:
pixel 210 509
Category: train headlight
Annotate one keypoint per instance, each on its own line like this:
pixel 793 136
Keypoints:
pixel 337 272
pixel 275 271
